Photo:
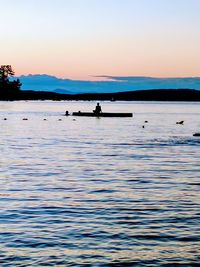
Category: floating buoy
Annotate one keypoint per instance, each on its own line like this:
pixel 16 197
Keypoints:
pixel 24 119
pixel 5 119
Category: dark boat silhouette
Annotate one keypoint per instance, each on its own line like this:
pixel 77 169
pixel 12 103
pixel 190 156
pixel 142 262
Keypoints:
pixel 102 114
pixel 196 134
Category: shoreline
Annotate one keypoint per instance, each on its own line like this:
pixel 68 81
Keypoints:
pixel 187 95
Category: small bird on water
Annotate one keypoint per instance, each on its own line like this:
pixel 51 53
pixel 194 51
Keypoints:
pixel 180 122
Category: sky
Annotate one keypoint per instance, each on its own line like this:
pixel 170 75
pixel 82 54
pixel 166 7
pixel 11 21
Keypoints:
pixel 82 39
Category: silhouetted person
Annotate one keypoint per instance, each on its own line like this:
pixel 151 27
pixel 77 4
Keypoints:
pixel 97 109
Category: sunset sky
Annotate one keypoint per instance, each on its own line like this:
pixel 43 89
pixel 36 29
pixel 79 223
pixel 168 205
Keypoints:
pixel 79 39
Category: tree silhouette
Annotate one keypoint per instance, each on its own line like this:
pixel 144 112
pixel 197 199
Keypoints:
pixel 8 89
pixel 5 72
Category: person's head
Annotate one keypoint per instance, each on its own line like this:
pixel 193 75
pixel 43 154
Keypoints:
pixel 97 104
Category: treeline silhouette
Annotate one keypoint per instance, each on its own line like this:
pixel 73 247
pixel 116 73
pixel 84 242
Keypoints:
pixel 143 95
pixel 8 89
pixel 146 95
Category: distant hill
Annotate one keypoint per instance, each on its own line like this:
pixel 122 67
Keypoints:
pixel 111 84
pixel 146 95
pixel 142 95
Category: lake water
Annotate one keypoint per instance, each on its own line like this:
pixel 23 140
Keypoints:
pixel 80 191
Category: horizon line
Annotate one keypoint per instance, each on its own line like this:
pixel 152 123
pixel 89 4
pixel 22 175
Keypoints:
pixel 107 77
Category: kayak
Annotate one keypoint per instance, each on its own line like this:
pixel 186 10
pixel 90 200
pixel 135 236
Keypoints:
pixel 102 114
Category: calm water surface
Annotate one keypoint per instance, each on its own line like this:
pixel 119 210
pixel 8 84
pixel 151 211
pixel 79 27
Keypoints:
pixel 99 192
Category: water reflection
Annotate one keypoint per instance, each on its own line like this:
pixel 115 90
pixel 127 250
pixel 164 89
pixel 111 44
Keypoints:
pixel 99 192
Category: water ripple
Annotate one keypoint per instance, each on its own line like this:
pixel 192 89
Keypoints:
pixel 98 192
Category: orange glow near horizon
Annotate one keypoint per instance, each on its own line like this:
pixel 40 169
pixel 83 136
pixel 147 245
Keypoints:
pixel 113 58
pixel 100 76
